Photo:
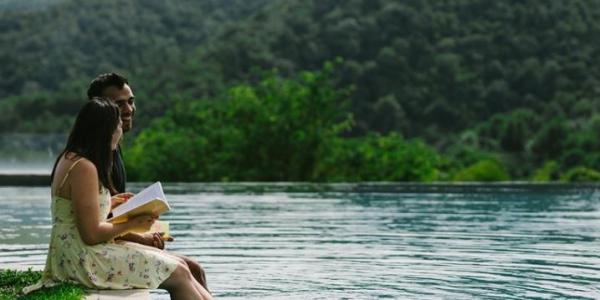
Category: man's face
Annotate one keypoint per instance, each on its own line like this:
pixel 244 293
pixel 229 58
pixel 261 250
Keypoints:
pixel 126 102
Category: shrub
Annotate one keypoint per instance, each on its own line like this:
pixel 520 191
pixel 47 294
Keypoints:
pixel 581 174
pixel 485 170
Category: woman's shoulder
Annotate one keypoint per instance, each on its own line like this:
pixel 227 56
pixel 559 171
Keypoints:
pixel 74 170
pixel 80 164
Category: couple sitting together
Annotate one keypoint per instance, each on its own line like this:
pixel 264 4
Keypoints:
pixel 88 180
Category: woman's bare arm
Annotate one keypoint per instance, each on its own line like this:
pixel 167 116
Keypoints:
pixel 84 195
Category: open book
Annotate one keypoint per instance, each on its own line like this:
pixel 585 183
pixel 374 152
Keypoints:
pixel 149 201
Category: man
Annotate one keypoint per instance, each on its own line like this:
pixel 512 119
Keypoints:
pixel 116 88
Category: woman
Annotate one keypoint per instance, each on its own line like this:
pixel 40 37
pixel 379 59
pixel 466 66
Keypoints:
pixel 82 246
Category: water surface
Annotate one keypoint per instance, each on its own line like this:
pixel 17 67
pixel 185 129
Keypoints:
pixel 301 244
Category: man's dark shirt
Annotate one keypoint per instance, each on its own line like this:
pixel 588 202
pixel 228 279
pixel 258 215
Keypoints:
pixel 118 171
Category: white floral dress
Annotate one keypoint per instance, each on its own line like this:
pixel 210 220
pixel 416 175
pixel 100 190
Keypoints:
pixel 108 265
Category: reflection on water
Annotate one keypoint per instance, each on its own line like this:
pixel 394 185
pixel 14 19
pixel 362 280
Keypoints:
pixel 306 245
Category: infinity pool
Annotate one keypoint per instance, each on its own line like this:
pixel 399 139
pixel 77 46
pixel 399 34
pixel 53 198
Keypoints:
pixel 327 244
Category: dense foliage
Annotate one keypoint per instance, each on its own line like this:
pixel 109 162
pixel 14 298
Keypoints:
pixel 52 50
pixel 507 88
pixel 276 130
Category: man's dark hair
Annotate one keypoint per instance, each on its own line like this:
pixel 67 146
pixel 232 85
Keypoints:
pixel 104 81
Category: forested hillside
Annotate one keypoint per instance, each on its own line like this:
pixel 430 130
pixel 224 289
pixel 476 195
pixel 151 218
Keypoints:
pixel 510 82
pixel 51 50
pixel 430 67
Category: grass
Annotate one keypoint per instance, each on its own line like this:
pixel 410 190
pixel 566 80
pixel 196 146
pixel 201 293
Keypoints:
pixel 11 283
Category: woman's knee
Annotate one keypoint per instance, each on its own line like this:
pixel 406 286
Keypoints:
pixel 181 272
pixel 192 264
pixel 179 276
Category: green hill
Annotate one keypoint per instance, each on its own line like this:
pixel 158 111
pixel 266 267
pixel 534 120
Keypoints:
pixel 515 79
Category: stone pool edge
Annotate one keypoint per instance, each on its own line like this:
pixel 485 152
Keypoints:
pixel 37 180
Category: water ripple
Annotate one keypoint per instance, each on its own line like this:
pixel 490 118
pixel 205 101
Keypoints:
pixel 344 245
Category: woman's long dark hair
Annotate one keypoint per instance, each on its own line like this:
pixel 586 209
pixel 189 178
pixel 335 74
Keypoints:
pixel 91 137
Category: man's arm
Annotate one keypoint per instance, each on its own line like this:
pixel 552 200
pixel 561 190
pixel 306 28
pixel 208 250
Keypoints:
pixel 152 239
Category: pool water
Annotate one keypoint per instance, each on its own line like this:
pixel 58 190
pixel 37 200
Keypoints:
pixel 321 244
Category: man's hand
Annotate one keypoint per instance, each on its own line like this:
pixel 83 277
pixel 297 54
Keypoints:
pixel 119 199
pixel 154 239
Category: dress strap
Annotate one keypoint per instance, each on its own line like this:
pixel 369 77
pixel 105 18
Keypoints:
pixel 68 172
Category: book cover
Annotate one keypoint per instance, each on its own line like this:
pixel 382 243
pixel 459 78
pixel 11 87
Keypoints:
pixel 151 200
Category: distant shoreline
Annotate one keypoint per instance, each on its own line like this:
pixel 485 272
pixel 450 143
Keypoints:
pixel 25 179
pixel 37 180
pixel 24 172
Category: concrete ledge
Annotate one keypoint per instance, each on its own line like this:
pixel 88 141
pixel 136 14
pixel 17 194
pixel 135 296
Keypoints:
pixel 118 294
pixel 373 187
pixel 24 179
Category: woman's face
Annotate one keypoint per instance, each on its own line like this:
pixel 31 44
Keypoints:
pixel 116 137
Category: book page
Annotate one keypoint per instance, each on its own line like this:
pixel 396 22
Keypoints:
pixel 150 193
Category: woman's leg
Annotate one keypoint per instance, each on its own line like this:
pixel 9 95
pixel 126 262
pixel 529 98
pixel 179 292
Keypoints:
pixel 195 269
pixel 201 290
pixel 184 262
pixel 182 286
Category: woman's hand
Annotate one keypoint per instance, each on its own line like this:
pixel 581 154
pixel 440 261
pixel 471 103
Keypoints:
pixel 142 222
pixel 119 199
pixel 154 239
